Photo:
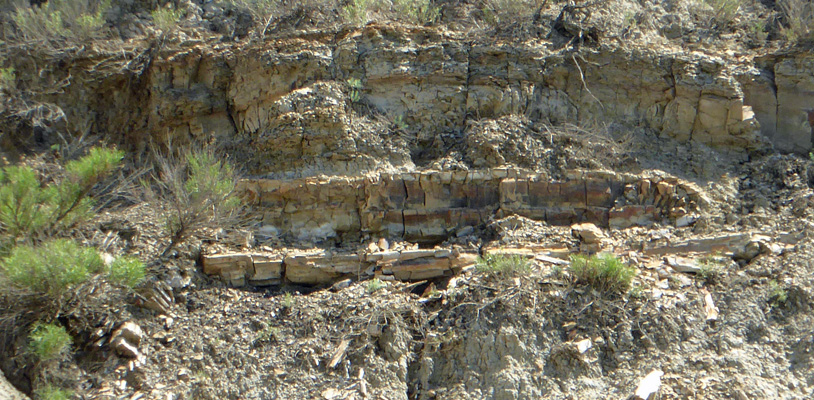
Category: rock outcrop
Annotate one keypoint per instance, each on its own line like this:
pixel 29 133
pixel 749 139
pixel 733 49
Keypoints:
pixel 324 267
pixel 285 105
pixel 431 206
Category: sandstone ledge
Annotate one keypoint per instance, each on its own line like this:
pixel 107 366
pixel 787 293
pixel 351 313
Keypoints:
pixel 325 267
pixel 428 207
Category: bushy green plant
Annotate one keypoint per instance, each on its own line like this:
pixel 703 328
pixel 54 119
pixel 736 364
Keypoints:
pixel 604 272
pixel 502 265
pixel 49 342
pixel 166 19
pixel 28 208
pixel 50 392
pixel 127 271
pixel 51 267
pixel 198 190
pixel 62 20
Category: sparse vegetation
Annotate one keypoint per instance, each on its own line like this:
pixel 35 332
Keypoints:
pixel 417 11
pixel 59 22
pixel 502 265
pixel 711 268
pixel 355 92
pixel 49 342
pixel 50 392
pixel 374 285
pixel 724 11
pixel 605 272
pixel 288 300
pixel 500 13
pixel 166 19
pixel 197 190
pixel 777 294
pixel 8 79
pixel 356 12
pixel 798 18
pixel 262 11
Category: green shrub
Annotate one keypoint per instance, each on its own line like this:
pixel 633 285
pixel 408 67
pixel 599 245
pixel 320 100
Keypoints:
pixel 166 19
pixel 197 192
pixel 127 271
pixel 51 267
pixel 604 272
pixel 49 392
pixel 502 265
pixel 49 342
pixel 28 208
pixel 62 20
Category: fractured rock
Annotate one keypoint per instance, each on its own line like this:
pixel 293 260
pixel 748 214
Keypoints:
pixel 126 339
pixel 588 232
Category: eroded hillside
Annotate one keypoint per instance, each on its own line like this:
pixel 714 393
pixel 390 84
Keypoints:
pixel 416 179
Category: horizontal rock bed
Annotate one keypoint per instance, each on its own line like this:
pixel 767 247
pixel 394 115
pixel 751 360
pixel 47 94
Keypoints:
pixel 428 207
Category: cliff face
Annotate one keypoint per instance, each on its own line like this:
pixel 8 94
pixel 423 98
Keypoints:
pixel 285 104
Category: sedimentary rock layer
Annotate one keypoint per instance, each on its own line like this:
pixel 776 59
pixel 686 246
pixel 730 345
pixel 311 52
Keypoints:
pixel 432 206
pixel 324 267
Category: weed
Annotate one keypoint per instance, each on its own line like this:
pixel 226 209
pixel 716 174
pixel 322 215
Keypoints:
pixel 49 341
pixel 127 271
pixel 355 86
pixel 56 21
pixel 51 267
pixel 798 16
pixel 724 11
pixel 417 11
pixel 502 265
pixel 711 267
pixel 166 19
pixel 374 285
pixel 604 272
pixel 636 292
pixel 262 11
pixel 50 392
pixel 198 190
pixel 757 29
pixel 500 13
pixel 399 123
pixel 8 79
pixel 288 300
pixel 268 335
pixel 777 294
pixel 356 11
